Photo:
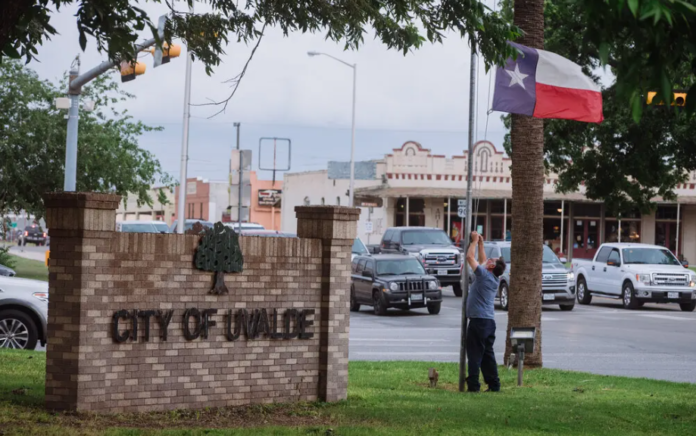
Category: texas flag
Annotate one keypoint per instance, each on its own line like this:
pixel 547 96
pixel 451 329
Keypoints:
pixel 542 84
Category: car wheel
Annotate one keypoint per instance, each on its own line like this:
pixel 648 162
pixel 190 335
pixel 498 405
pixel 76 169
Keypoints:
pixel 378 304
pixel 504 296
pixel 457 288
pixel 567 307
pixel 687 307
pixel 354 306
pixel 434 308
pixel 583 295
pixel 17 330
pixel 628 297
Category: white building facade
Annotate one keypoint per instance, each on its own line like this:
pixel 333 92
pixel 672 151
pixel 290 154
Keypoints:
pixel 412 186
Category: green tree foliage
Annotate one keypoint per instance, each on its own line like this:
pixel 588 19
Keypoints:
pixel 219 251
pixel 622 162
pixel 32 142
pixel 114 24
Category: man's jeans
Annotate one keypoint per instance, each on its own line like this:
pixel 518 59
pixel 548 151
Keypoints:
pixel 479 349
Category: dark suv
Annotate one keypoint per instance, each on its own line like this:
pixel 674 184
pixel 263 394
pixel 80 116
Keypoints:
pixel 383 281
pixel 34 234
pixel 432 247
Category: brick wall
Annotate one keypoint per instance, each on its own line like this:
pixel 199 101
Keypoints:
pixel 95 273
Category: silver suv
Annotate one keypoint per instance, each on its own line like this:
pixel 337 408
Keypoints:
pixel 23 313
pixel 557 284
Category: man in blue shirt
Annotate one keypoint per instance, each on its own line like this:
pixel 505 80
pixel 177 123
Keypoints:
pixel 481 313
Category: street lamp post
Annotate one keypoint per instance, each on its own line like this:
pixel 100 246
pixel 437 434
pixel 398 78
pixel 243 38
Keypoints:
pixel 351 187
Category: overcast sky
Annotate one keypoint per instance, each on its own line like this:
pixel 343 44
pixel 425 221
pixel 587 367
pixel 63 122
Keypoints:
pixel 422 96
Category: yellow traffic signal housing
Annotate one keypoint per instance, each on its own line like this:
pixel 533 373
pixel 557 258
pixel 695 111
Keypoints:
pixel 129 71
pixel 167 53
pixel 679 98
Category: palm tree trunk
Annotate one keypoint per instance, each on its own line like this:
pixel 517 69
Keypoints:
pixel 527 137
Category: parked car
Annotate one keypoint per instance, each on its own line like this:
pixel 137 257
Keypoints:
pixel 636 274
pixel 245 226
pixel 268 233
pixel 23 313
pixel 188 224
pixel 359 249
pixel 432 247
pixel 383 281
pixel 33 234
pixel 6 272
pixel 557 281
pixel 142 227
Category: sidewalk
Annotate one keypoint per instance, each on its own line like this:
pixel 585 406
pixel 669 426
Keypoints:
pixel 26 253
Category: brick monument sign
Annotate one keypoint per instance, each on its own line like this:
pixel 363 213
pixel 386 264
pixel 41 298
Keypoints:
pixel 133 326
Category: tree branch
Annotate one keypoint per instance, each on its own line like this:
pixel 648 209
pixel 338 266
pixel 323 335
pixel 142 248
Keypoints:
pixel 234 81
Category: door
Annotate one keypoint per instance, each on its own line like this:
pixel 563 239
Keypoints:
pixel 366 289
pixel 585 238
pixel 596 277
pixel 360 281
pixel 613 274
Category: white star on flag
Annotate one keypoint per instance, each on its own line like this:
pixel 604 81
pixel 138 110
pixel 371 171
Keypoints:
pixel 516 77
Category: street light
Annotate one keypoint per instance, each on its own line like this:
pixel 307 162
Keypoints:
pixel 352 133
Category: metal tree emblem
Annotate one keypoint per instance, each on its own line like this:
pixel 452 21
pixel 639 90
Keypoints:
pixel 219 252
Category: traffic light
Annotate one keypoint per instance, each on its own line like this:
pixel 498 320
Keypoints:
pixel 163 55
pixel 678 100
pixel 130 70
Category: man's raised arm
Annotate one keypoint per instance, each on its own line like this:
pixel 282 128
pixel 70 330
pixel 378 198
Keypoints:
pixel 482 253
pixel 470 256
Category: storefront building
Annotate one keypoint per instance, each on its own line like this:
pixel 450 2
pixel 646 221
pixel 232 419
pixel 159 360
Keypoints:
pixel 411 186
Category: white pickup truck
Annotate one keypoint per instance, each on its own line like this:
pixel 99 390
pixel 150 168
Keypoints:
pixel 636 274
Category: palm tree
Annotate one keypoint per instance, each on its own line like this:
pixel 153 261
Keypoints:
pixel 527 138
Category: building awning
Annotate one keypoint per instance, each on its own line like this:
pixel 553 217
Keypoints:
pixel 484 194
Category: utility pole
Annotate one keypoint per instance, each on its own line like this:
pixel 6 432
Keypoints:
pixel 70 179
pixel 239 200
pixel 181 218
pixel 467 231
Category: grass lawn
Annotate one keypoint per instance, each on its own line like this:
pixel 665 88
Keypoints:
pixel 30 269
pixel 384 399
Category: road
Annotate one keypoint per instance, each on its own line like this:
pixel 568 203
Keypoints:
pixel 603 338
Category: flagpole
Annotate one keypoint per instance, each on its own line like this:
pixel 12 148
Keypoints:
pixel 467 230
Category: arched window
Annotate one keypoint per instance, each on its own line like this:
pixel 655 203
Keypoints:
pixel 410 151
pixel 484 154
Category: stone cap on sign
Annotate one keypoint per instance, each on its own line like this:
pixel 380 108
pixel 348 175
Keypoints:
pixel 81 200
pixel 327 222
pixel 80 211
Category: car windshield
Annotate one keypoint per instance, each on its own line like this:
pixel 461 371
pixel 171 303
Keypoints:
pixel 138 228
pixel 161 227
pixel 425 237
pixel 399 267
pixel 549 256
pixel 358 247
pixel 649 256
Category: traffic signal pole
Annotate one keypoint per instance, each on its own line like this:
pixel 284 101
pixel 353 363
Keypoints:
pixel 74 91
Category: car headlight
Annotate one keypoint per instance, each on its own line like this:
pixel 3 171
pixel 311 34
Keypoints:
pixel 693 281
pixel 432 286
pixel 43 296
pixel 571 276
pixel 393 286
pixel 643 278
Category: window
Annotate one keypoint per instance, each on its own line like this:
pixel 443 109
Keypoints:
pixel 361 266
pixel 498 206
pixel 553 208
pixel 425 237
pixel 603 254
pixel 666 213
pixel 614 257
pixel 358 247
pixel 370 266
pixel 399 267
pixel 388 236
